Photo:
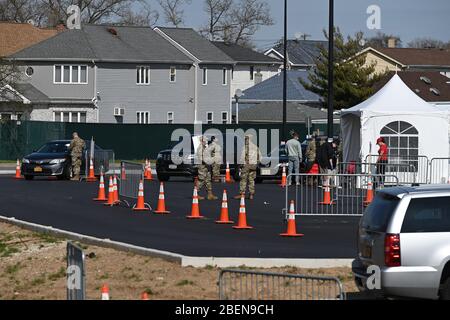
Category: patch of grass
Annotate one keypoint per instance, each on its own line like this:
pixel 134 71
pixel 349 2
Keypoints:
pixel 209 267
pixel 104 276
pixel 7 250
pixel 61 273
pixel 47 238
pixel 13 269
pixel 38 281
pixel 185 283
pixel 149 291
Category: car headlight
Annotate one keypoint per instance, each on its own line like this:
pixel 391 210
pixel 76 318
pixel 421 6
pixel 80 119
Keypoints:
pixel 24 160
pixel 57 161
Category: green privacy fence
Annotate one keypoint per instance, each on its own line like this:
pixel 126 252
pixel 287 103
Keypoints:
pixel 129 141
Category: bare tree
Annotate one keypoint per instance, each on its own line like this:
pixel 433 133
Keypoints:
pixel 9 75
pixel 217 11
pixel 428 43
pixel 21 11
pixel 381 39
pixel 245 19
pixel 173 11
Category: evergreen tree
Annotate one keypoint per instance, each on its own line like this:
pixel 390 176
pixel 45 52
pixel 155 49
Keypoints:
pixel 353 80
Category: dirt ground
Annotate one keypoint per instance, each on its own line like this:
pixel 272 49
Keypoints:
pixel 33 266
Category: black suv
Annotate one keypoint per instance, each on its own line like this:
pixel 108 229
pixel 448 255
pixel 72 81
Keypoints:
pixel 166 167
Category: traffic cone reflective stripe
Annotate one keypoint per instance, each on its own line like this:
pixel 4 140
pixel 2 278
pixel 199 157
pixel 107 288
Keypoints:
pixel 116 190
pixel 242 219
pixel 291 227
pixel 161 208
pixel 327 196
pixel 140 205
pixel 224 218
pixel 105 292
pixel 18 173
pixel 111 201
pixel 91 177
pixel 228 174
pixel 195 210
pixel 369 195
pixel 283 177
pixel 101 190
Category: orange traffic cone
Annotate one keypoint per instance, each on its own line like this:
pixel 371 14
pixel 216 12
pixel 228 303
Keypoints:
pixel 369 195
pixel 116 190
pixel 242 220
pixel 123 174
pixel 283 178
pixel 111 200
pixel 224 219
pixel 148 170
pixel 228 174
pixel 91 177
pixel 291 228
pixel 161 208
pixel 195 211
pixel 105 292
pixel 18 173
pixel 101 190
pixel 327 196
pixel 144 296
pixel 140 205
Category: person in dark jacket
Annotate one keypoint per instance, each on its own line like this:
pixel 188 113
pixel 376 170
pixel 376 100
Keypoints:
pixel 324 158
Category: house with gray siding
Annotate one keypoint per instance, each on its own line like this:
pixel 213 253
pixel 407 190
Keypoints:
pixel 123 74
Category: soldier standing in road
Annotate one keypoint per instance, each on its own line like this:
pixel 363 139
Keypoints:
pixel 76 150
pixel 311 159
pixel 204 161
pixel 216 155
pixel 250 158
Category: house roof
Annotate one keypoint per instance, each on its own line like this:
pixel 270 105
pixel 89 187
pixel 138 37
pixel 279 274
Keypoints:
pixel 106 43
pixel 301 52
pixel 415 80
pixel 245 55
pixel 198 46
pixel 273 112
pixel 23 92
pixel 418 57
pixel 17 36
pixel 272 89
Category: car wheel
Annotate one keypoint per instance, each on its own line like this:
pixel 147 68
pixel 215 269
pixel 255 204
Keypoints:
pixel 27 177
pixel 445 290
pixel 65 175
pixel 163 177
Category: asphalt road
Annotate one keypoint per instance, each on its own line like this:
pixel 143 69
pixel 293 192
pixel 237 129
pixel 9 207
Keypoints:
pixel 68 205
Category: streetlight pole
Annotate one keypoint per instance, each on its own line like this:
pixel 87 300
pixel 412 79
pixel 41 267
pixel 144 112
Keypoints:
pixel 283 126
pixel 330 67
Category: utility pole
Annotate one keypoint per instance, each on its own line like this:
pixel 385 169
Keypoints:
pixel 283 126
pixel 330 67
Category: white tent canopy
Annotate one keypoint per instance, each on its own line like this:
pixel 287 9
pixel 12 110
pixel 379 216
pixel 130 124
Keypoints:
pixel 410 124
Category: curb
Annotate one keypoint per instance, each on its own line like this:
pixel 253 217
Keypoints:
pixel 184 261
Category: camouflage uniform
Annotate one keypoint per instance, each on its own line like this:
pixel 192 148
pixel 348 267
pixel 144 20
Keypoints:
pixel 216 156
pixel 76 150
pixel 204 161
pixel 250 158
pixel 311 159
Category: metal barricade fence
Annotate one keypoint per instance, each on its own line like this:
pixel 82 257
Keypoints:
pixel 408 169
pixel 439 170
pixel 334 194
pixel 103 160
pixel 130 174
pixel 251 285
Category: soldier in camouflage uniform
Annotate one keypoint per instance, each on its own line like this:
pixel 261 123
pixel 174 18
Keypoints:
pixel 250 158
pixel 311 159
pixel 216 155
pixel 76 150
pixel 203 158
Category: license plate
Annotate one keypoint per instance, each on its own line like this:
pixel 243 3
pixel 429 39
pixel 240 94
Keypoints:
pixel 37 169
pixel 172 166
pixel 266 172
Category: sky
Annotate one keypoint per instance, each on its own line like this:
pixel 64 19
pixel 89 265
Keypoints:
pixel 408 19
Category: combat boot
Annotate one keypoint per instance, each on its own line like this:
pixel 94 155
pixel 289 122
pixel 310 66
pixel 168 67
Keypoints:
pixel 75 178
pixel 251 196
pixel 200 197
pixel 211 196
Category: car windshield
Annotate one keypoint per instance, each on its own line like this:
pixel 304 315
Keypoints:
pixel 378 214
pixel 54 147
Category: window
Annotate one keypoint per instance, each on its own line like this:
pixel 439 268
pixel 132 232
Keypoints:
pixel 204 76
pixel 143 117
pixel 224 117
pixel 173 74
pixel 224 77
pixel 29 71
pixel 402 140
pixel 252 73
pixel 143 75
pixel 170 117
pixel 427 215
pixel 209 117
pixel 70 74
pixel 69 116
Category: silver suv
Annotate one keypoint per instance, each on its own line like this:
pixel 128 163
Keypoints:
pixel 405 232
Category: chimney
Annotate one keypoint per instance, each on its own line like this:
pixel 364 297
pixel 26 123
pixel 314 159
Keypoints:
pixel 392 42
